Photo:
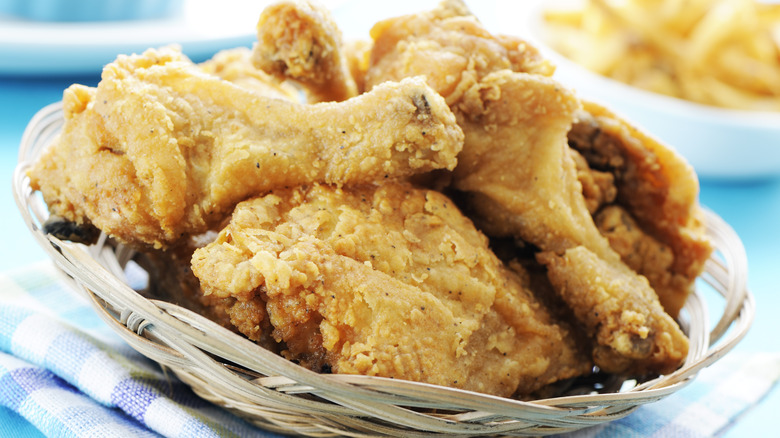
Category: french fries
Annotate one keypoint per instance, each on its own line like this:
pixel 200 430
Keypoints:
pixel 723 53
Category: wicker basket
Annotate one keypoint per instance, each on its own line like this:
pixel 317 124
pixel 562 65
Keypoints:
pixel 278 395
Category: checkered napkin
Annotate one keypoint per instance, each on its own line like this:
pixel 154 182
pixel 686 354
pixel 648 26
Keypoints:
pixel 64 373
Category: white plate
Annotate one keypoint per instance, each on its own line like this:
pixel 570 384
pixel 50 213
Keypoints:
pixel 719 143
pixel 202 28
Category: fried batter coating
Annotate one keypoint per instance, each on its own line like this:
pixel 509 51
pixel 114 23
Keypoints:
pixel 640 251
pixel 540 200
pixel 515 162
pixel 388 281
pixel 171 279
pixel 298 39
pixel 235 65
pixel 450 47
pixel 160 149
pixel 633 333
pixel 658 193
pixel 598 187
pixel 518 172
pixel 518 169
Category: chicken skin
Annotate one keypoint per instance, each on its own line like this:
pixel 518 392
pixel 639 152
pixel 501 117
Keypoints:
pixel 654 220
pixel 450 47
pixel 541 202
pixel 235 65
pixel 620 311
pixel 387 281
pixel 515 165
pixel 299 40
pixel 518 173
pixel 160 149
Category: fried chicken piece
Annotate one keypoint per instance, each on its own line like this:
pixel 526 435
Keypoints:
pixel 515 162
pixel 658 190
pixel 160 149
pixel 450 47
pixel 541 201
pixel 518 170
pixel 640 251
pixel 633 333
pixel 300 40
pixel 516 167
pixel 235 65
pixel 171 279
pixel 388 281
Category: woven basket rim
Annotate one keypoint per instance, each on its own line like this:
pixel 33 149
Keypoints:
pixel 276 394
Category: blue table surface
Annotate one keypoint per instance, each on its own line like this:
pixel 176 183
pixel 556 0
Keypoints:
pixel 751 207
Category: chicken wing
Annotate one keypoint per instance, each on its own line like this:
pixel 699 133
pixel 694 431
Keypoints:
pixel 161 149
pixel 517 168
pixel 620 311
pixel 515 162
pixel 388 281
pixel 298 39
pixel 658 227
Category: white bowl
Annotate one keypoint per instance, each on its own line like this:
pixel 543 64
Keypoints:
pixel 719 143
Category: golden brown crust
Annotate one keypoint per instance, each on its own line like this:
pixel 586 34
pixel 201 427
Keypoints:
pixel 299 40
pixel 390 281
pixel 620 311
pixel 337 263
pixel 520 177
pixel 658 190
pixel 451 48
pixel 161 149
pixel 235 65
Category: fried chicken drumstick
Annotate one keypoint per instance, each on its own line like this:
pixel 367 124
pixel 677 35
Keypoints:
pixel 161 149
pixel 387 281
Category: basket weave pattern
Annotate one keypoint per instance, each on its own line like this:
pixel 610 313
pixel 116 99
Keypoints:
pixel 278 395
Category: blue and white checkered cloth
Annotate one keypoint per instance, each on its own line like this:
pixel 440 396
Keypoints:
pixel 64 373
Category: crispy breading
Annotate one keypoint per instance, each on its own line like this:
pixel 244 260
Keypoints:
pixel 451 48
pixel 598 187
pixel 334 258
pixel 658 191
pixel 389 281
pixel 235 65
pixel 530 189
pixel 633 334
pixel 520 177
pixel 171 279
pixel 298 39
pixel 515 162
pixel 160 149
